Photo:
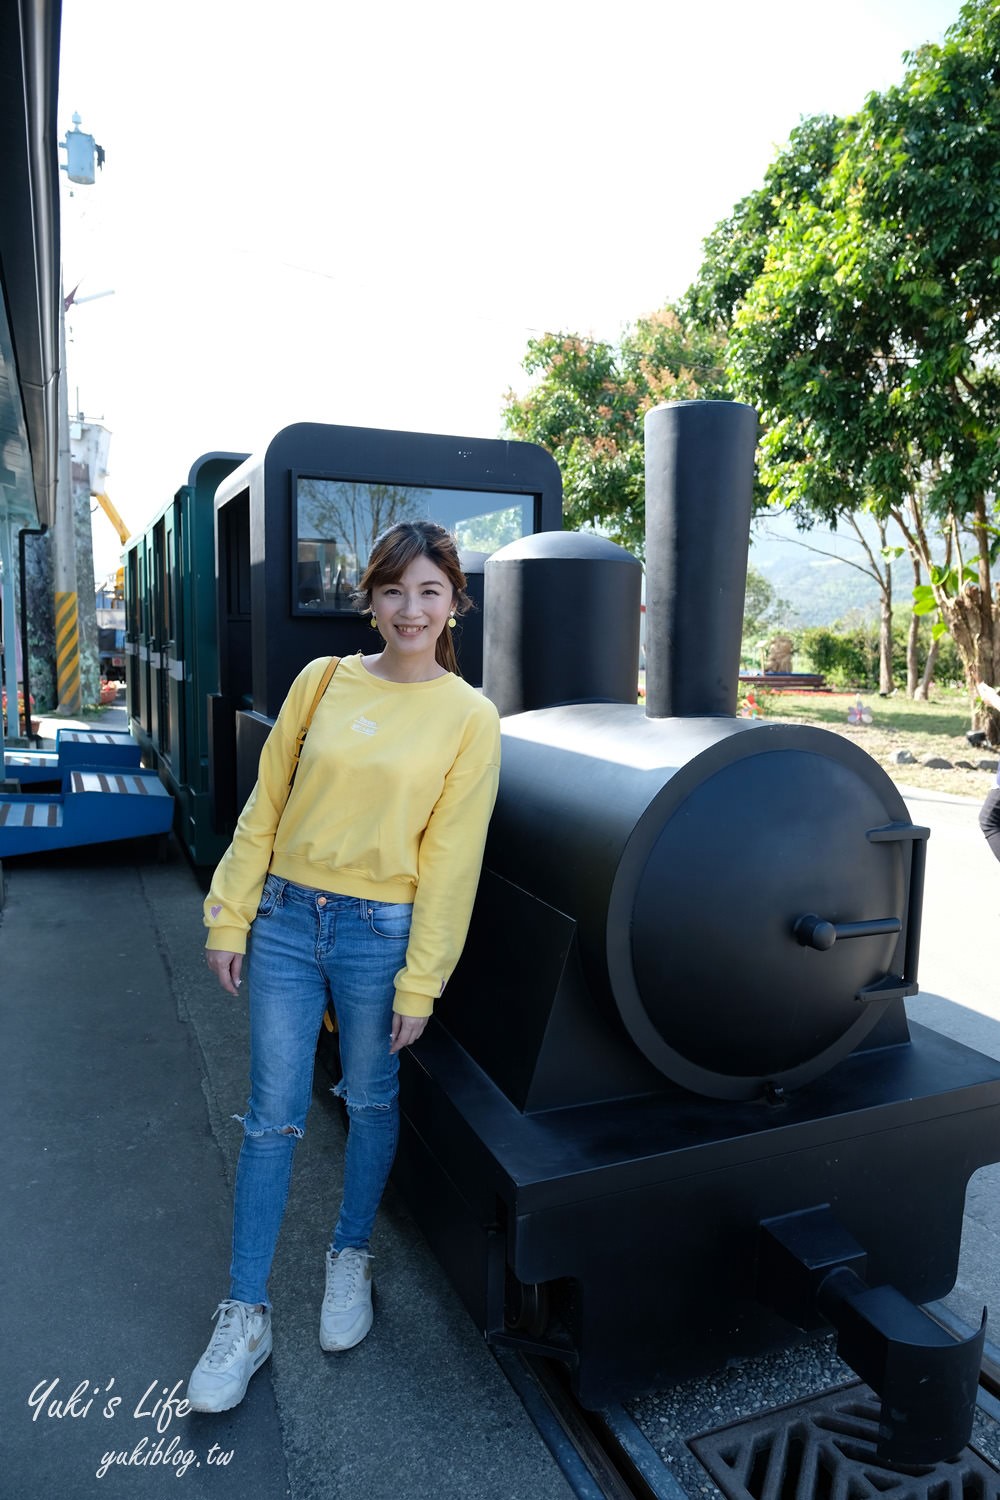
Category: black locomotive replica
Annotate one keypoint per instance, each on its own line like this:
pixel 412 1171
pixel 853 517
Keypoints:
pixel 671 1113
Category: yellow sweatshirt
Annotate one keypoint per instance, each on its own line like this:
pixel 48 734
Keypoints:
pixel 391 802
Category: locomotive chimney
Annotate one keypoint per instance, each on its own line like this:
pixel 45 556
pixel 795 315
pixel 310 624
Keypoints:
pixel 562 622
pixel 699 488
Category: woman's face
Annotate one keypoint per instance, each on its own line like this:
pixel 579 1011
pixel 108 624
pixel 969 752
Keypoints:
pixel 413 611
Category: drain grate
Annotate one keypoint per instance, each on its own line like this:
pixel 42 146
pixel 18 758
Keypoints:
pixel 824 1449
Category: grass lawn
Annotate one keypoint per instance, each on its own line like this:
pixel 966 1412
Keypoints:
pixel 935 728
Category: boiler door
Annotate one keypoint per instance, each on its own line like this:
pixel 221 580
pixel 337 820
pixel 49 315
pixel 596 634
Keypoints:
pixel 722 996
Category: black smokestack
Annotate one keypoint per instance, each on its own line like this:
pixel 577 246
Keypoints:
pixel 699 490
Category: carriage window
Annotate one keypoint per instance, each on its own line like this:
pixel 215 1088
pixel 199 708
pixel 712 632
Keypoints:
pixel 337 520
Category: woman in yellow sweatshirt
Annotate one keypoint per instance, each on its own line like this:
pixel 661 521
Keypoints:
pixel 356 890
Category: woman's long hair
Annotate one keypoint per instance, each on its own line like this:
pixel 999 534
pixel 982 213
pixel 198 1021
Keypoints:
pixel 392 554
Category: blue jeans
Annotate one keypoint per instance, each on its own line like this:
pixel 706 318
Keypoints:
pixel 308 948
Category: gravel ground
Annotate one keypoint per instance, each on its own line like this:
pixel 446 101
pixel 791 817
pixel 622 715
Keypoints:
pixel 670 1419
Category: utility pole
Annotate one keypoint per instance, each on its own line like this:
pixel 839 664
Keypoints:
pixel 64 556
pixel 83 156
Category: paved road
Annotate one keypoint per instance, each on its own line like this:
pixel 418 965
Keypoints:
pixel 121 1065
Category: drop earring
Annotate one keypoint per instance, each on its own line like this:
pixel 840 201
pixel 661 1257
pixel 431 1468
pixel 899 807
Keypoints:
pixel 452 622
pixel 373 623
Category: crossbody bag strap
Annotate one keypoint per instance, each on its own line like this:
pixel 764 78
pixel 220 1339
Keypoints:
pixel 300 738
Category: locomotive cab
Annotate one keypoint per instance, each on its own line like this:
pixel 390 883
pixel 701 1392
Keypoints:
pixel 312 504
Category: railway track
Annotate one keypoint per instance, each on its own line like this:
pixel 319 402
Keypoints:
pixel 603 1455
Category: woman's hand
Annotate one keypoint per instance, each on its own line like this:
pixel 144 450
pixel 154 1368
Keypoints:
pixel 406 1029
pixel 227 968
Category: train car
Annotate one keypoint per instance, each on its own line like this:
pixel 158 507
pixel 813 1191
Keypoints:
pixel 671 1112
pixel 248 574
pixel 171 653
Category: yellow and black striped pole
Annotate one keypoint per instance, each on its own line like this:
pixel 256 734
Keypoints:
pixel 67 653
pixel 64 557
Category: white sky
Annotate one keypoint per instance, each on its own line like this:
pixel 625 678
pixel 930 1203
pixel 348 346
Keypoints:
pixel 340 212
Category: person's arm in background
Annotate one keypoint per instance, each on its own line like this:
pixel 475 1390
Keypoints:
pixel 989 814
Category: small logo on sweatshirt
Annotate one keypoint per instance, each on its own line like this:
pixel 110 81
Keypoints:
pixel 362 725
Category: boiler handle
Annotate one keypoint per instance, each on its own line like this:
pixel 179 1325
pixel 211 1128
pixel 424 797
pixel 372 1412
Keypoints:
pixel 815 932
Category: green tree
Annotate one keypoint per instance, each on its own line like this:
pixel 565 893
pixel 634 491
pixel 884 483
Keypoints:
pixel 762 609
pixel 587 406
pixel 861 290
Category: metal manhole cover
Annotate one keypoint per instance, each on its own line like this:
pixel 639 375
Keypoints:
pixel 824 1449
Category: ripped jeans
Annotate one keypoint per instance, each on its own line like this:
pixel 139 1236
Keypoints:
pixel 307 948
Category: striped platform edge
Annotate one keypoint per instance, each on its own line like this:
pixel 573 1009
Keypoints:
pixel 120 783
pixel 98 804
pixel 22 812
pixel 93 737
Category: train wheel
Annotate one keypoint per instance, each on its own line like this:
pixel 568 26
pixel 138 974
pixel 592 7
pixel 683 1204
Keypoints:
pixel 526 1306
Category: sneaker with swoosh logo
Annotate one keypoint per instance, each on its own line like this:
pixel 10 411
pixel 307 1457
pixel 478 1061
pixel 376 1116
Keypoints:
pixel 346 1315
pixel 238 1347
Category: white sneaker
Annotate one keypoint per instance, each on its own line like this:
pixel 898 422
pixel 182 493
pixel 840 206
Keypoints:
pixel 239 1346
pixel 346 1315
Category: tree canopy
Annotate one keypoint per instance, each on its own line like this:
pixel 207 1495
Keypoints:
pixel 588 403
pixel 860 287
pixel 854 301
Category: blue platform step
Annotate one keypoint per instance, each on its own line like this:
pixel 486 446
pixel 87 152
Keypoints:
pixel 95 806
pixel 74 748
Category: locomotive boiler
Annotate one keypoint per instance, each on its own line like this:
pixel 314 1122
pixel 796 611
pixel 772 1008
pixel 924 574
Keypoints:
pixel 672 1112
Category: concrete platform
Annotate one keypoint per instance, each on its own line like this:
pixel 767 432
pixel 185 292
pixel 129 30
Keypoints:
pixel 122 1062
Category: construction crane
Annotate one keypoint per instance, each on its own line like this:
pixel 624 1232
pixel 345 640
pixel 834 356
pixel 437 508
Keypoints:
pixel 109 509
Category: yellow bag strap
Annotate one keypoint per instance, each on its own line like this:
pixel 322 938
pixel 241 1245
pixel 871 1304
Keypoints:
pixel 300 738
